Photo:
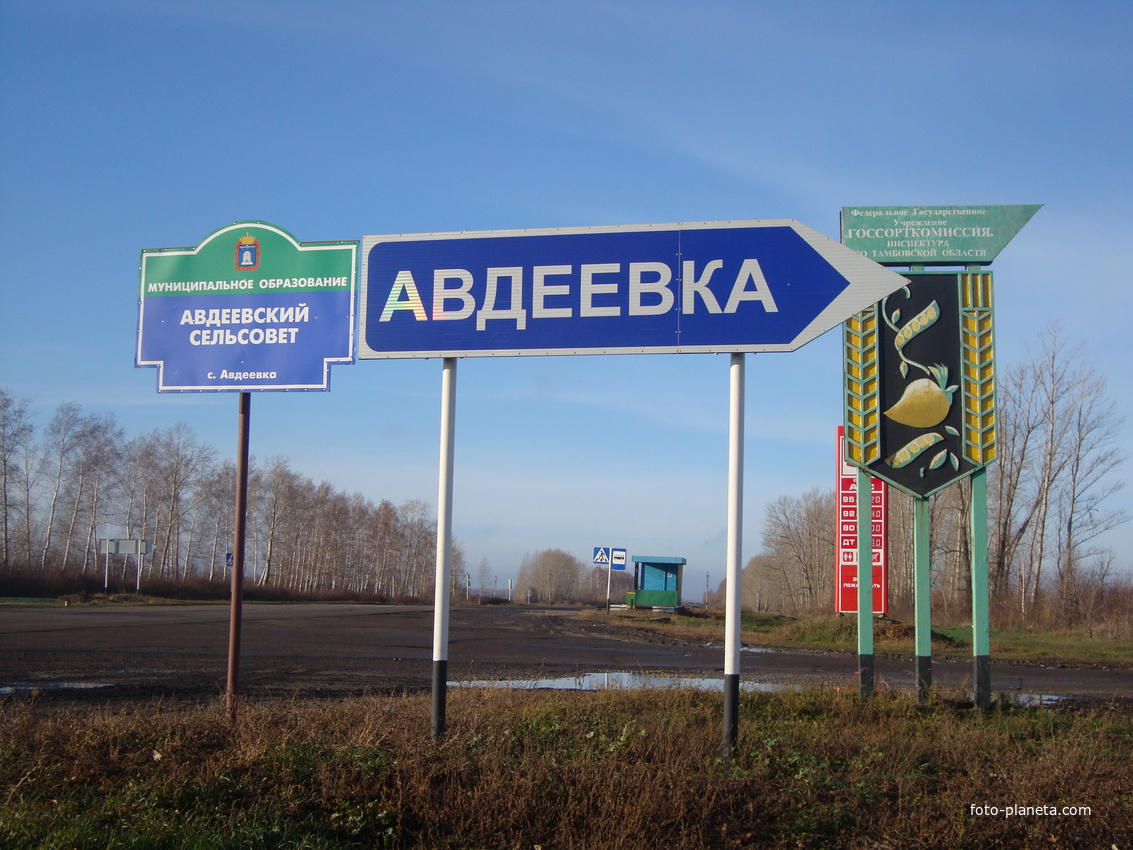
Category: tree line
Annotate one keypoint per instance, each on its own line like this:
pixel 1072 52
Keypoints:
pixel 1050 500
pixel 553 576
pixel 78 478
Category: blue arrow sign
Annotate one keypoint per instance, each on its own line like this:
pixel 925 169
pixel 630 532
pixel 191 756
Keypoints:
pixel 669 288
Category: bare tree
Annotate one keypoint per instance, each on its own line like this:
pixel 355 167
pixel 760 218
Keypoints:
pixel 1092 455
pixel 1058 459
pixel 483 574
pixel 551 574
pixel 274 492
pixel 900 552
pixel 950 546
pixel 381 544
pixel 1011 511
pixel 768 585
pixel 217 501
pixel 16 434
pixel 458 566
pixel 181 460
pixel 140 485
pixel 417 530
pixel 798 534
pixel 356 552
pixel 92 477
pixel 61 487
pixel 1051 372
pixel 62 441
pixel 29 469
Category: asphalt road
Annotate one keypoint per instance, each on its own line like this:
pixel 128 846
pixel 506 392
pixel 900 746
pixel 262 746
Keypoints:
pixel 112 653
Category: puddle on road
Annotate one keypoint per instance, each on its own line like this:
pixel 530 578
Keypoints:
pixel 603 681
pixel 28 687
pixel 636 681
pixel 1034 700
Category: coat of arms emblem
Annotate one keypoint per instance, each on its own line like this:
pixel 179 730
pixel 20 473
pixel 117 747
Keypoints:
pixel 247 253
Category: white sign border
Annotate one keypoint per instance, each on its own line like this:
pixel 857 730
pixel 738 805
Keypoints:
pixel 187 252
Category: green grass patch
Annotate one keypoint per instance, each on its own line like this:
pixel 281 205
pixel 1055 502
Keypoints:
pixel 100 599
pixel 839 633
pixel 1065 647
pixel 20 600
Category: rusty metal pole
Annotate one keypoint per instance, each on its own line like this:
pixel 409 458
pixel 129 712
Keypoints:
pixel 239 529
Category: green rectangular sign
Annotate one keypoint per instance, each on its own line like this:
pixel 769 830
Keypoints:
pixel 933 235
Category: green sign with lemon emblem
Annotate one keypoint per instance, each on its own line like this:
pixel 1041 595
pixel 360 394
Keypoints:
pixel 920 382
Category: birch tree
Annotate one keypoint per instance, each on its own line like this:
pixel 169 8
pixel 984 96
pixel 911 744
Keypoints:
pixel 552 574
pixel 1058 470
pixel 1084 509
pixel 180 461
pixel 61 445
pixel 16 435
pixel 798 535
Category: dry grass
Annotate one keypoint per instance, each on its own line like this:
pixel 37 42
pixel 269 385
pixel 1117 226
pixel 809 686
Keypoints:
pixel 525 769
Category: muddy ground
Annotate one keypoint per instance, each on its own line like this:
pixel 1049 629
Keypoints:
pixel 115 653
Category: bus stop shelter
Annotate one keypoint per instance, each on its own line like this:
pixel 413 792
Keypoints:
pixel 657 581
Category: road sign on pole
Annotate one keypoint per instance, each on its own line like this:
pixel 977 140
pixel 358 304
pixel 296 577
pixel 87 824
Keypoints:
pixel 734 286
pixel 250 308
pixel 920 382
pixel 933 235
pixel 110 547
pixel 614 559
pixel 124 547
pixel 737 287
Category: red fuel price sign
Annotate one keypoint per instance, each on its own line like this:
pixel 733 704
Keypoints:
pixel 846 550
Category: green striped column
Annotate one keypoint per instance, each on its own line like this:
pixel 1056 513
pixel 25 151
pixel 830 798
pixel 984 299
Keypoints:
pixel 981 625
pixel 922 596
pixel 865 586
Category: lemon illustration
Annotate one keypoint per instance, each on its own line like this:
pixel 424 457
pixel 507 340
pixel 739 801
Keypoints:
pixel 924 404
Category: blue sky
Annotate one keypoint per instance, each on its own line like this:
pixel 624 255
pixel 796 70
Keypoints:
pixel 131 124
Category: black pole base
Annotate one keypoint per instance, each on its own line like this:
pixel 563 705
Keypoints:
pixel 924 677
pixel 731 713
pixel 865 676
pixel 981 676
pixel 440 683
